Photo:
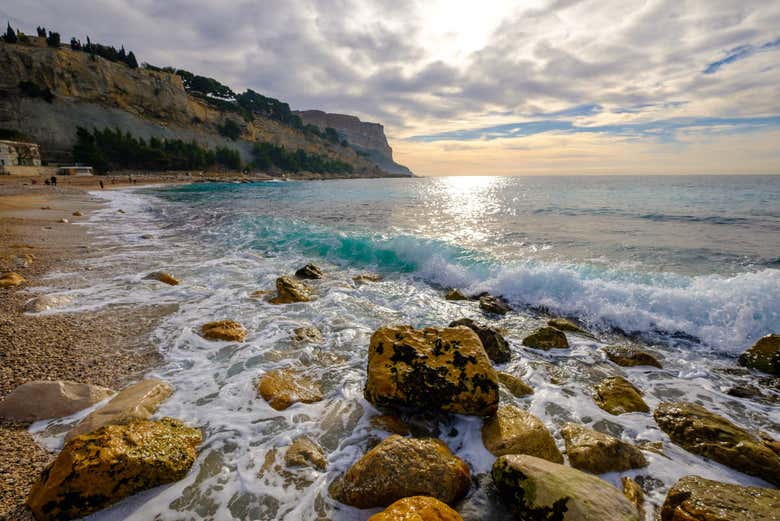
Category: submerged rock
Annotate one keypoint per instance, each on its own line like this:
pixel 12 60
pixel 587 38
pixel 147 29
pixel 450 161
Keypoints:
pixel 595 452
pixel 627 356
pixel 40 400
pixel 290 290
pixel 364 278
pixel 634 494
pixel 43 302
pixel 135 402
pixel 431 369
pixel 495 305
pixel 305 453
pixel 515 385
pixel 228 330
pixel 496 347
pixel 694 498
pixel 515 431
pixel 564 324
pixel 163 276
pixel 616 395
pixel 417 508
pixel 307 334
pixel 707 434
pixel 455 294
pixel 310 271
pixel 546 338
pixel 97 470
pixel 78 213
pixel 538 490
pixel 764 355
pixel 402 467
pixel 11 279
pixel 283 387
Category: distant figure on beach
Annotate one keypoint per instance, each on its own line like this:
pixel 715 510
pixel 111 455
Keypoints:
pixel 47 182
pixel 130 179
pixel 54 180
pixel 101 184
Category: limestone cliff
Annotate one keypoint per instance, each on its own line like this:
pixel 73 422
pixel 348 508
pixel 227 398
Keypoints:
pixel 90 91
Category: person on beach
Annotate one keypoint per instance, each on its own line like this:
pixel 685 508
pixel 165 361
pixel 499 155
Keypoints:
pixel 101 184
pixel 54 180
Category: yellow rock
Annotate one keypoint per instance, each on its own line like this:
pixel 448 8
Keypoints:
pixel 616 395
pixel 596 452
pixel 283 387
pixel 417 508
pixel 431 369
pixel 634 494
pixel 229 330
pixel 10 279
pixel 136 402
pixel 163 276
pixel 305 453
pixel 515 385
pixel 515 431
pixel 546 338
pixel 96 470
pixel 290 290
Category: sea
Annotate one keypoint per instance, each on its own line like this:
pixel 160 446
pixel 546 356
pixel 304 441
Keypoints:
pixel 687 267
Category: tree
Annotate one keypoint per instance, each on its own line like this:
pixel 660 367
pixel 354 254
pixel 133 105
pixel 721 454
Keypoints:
pixel 41 32
pixel 75 44
pixel 10 35
pixel 131 61
pixel 231 129
pixel 53 40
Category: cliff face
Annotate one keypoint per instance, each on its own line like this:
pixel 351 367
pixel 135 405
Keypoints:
pixel 90 91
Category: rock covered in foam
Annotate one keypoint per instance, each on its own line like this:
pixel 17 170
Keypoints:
pixel 305 453
pixel 44 302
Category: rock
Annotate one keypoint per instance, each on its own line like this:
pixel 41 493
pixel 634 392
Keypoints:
pixel 64 221
pixel 496 347
pixel 44 302
pixel 40 400
pixel 546 338
pixel 598 453
pixel 78 213
pixel 260 293
pixel 120 211
pixel 616 395
pixel 537 489
pixel 290 290
pixel 401 467
pixel 515 385
pixel 431 369
pixel 495 305
pixel 97 470
pixel 634 494
pixel 147 236
pixel 283 387
pixel 163 276
pixel 455 294
pixel 228 330
pixel 770 442
pixel 305 453
pixel 310 271
pixel 764 355
pixel 515 431
pixel 390 423
pixel 10 279
pixel 135 402
pixel 563 324
pixel 707 434
pixel 364 278
pixel 626 356
pixel 417 508
pixel 307 334
pixel 694 498
pixel 22 261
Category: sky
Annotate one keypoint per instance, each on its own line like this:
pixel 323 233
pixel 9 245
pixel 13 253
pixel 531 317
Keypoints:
pixel 488 87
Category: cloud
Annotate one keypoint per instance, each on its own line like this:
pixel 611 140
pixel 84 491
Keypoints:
pixel 740 53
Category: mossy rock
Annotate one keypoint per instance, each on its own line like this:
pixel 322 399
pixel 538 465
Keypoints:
pixel 417 508
pixel 626 356
pixel 496 346
pixel 597 453
pixel 515 431
pixel 616 395
pixel 764 355
pixel 694 498
pixel 546 338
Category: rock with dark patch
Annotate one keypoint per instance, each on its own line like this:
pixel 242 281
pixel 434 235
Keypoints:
pixel 228 330
pixel 417 508
pixel 455 294
pixel 402 467
pixel 546 338
pixel 283 387
pixel 496 347
pixel 290 290
pixel 694 498
pixel 515 385
pixel 310 271
pixel 627 356
pixel 96 470
pixel 305 453
pixel 539 490
pixel 431 369
pixel 390 423
pixel 494 305
pixel 515 431
pixel 764 355
pixel 595 452
pixel 707 434
pixel 616 395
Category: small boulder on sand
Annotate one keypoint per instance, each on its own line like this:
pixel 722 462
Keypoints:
pixel 11 279
pixel 283 387
pixel 163 276
pixel 78 213
pixel 493 305
pixel 764 355
pixel 40 400
pixel 310 271
pixel 628 356
pixel 515 431
pixel 417 508
pixel 597 453
pixel 290 290
pixel 402 467
pixel 616 395
pixel 305 453
pixel 64 221
pixel 694 498
pixel 496 346
pixel 546 338
pixel 228 330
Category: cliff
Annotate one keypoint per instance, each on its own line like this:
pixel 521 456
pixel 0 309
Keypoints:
pixel 92 92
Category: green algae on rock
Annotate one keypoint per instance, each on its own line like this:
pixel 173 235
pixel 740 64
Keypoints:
pixel 496 346
pixel 764 355
pixel 515 431
pixel 616 395
pixel 96 470
pixel 431 369
pixel 546 338
pixel 694 498
pixel 627 356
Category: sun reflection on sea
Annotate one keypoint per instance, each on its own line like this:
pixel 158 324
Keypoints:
pixel 470 201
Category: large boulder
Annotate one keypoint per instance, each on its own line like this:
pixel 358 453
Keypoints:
pixel 627 356
pixel 40 400
pixel 164 277
pixel 515 431
pixel 515 385
pixel 283 387
pixel 136 402
pixel 707 434
pixel 694 498
pixel 310 271
pixel 493 305
pixel 11 279
pixel 431 369
pixel 96 470
pixel 538 490
pixel 417 508
pixel 401 467
pixel 546 338
pixel 764 355
pixel 496 347
pixel 290 290
pixel 228 330
pixel 616 395
pixel 44 302
pixel 595 452
pixel 305 453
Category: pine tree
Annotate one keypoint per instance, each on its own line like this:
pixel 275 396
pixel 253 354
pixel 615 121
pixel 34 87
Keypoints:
pixel 41 32
pixel 53 40
pixel 10 35
pixel 131 61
